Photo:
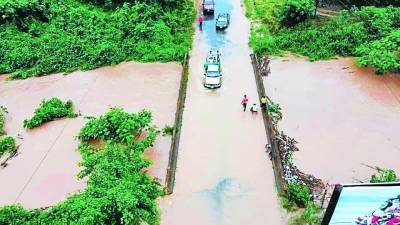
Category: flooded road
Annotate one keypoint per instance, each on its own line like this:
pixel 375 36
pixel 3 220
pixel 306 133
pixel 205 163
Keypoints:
pixel 44 173
pixel 224 176
pixel 345 118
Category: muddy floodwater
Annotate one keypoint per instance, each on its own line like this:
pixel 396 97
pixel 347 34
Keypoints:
pixel 345 118
pixel 44 172
pixel 224 176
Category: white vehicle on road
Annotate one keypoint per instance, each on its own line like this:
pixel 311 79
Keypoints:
pixel 212 75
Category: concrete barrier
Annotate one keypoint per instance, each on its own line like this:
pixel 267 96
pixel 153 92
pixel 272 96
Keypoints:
pixel 173 152
pixel 276 159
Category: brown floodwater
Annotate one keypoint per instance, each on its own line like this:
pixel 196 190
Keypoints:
pixel 44 172
pixel 345 118
pixel 223 174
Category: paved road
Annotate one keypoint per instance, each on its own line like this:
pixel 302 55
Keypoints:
pixel 223 175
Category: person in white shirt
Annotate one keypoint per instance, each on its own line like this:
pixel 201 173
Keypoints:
pixel 254 108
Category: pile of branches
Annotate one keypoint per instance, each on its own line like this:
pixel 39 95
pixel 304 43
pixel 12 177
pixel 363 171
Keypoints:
pixel 263 65
pixel 286 147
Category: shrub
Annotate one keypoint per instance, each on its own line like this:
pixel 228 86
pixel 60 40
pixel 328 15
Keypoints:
pixel 358 3
pixel 383 54
pixel 14 215
pixel 312 215
pixel 296 11
pixel 7 144
pixel 77 35
pixel 287 204
pixel 369 33
pixel 50 110
pixel 19 11
pixel 3 110
pixel 298 194
pixel 116 125
pixel 118 191
pixel 384 175
pixel 168 130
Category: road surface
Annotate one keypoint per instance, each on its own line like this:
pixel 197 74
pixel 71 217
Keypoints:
pixel 224 175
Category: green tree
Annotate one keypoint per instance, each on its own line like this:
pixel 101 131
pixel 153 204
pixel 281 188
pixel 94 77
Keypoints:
pixel 296 11
pixel 384 175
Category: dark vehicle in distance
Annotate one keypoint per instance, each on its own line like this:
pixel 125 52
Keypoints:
pixel 208 7
pixel 222 21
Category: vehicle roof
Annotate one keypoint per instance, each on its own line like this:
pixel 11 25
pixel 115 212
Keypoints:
pixel 213 67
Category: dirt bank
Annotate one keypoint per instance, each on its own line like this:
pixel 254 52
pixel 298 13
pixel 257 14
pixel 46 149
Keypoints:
pixel 344 117
pixel 45 171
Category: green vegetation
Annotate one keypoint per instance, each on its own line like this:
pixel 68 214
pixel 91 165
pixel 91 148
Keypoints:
pixel 50 110
pixel 299 194
pixel 7 144
pixel 118 191
pixel 168 130
pixel 117 126
pixel 358 3
pixel 384 175
pixel 311 215
pixel 3 110
pixel 296 11
pixel 39 37
pixel 369 33
pixel 297 200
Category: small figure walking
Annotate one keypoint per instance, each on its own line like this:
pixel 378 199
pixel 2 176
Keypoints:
pixel 244 102
pixel 201 19
pixel 254 108
pixel 263 101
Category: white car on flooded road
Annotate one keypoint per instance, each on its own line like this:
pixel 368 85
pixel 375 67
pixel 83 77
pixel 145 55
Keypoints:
pixel 212 75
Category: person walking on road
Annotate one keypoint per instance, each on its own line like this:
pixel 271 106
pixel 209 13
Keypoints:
pixel 201 19
pixel 263 101
pixel 244 102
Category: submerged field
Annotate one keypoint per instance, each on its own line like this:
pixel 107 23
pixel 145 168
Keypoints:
pixel 45 171
pixel 346 119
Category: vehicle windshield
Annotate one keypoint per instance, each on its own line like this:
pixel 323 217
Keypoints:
pixel 222 19
pixel 212 74
pixel 208 2
pixel 213 71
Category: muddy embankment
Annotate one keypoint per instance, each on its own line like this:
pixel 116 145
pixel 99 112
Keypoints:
pixel 345 118
pixel 44 172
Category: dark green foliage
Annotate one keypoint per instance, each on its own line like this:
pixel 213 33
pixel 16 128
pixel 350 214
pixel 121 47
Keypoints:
pixel 3 110
pixel 370 33
pixel 358 3
pixel 290 206
pixel 298 194
pixel 7 144
pixel 311 215
pixel 73 35
pixel 50 110
pixel 296 11
pixel 168 130
pixel 116 125
pixel 20 11
pixel 118 191
pixel 384 175
pixel 382 54
pixel 15 215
